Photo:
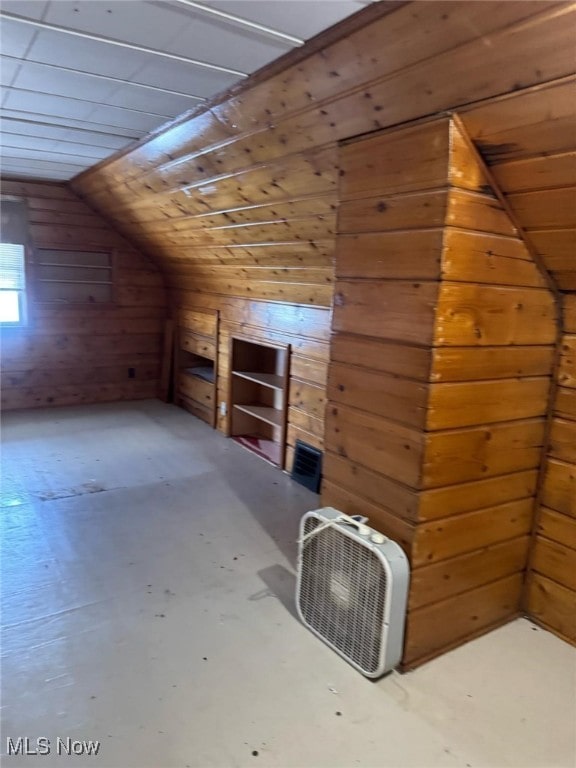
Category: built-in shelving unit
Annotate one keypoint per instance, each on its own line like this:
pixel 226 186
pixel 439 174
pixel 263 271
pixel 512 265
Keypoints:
pixel 64 276
pixel 258 397
pixel 196 364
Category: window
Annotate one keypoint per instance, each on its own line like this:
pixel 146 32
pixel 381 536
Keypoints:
pixel 13 262
pixel 73 277
pixel 12 284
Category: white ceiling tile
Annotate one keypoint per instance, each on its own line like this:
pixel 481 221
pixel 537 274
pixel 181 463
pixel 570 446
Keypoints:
pixel 301 18
pixel 8 68
pixel 32 167
pixel 151 101
pixel 32 9
pixel 142 23
pixel 46 80
pixel 164 73
pixel 87 55
pixel 106 141
pixel 42 154
pixel 26 142
pixel 33 131
pixel 33 144
pixel 26 171
pixel 82 150
pixel 22 128
pixel 120 117
pixel 47 104
pixel 45 158
pixel 15 38
pixel 217 42
pixel 54 119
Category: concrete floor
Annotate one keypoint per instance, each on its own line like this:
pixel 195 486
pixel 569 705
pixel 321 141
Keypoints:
pixel 148 575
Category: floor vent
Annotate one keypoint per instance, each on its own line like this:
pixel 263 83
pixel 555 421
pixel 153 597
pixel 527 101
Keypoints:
pixel 307 466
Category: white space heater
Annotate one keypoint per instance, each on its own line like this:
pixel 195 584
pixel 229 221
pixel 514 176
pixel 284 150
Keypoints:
pixel 352 589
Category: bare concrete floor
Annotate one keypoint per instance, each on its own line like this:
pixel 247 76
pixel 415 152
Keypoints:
pixel 148 575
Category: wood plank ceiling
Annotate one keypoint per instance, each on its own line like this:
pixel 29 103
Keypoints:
pixel 83 79
pixel 519 111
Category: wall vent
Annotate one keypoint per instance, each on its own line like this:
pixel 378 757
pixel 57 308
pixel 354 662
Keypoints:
pixel 307 466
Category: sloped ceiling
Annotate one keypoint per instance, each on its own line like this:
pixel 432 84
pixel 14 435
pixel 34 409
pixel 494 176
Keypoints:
pixel 82 79
pixel 517 103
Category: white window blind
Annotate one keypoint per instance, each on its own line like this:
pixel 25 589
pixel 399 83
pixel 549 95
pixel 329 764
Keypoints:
pixel 13 239
pixel 12 275
pixel 12 283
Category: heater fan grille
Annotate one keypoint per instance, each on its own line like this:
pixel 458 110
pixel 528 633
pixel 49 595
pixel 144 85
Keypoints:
pixel 343 594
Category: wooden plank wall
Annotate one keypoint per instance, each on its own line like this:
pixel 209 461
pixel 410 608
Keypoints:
pixel 439 377
pixel 529 141
pixel 81 354
pixel 551 597
pixel 238 202
pixel 494 339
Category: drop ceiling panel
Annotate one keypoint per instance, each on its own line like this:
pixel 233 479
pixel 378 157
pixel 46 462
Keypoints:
pixel 58 82
pixel 94 139
pixel 12 125
pixel 31 168
pixel 34 144
pixel 70 99
pixel 220 43
pixel 15 38
pixel 126 118
pixel 25 169
pixel 81 150
pixel 148 25
pixel 8 68
pixel 15 140
pixel 42 155
pixel 47 104
pixel 54 119
pixel 32 9
pixel 141 99
pixel 296 17
pixel 178 76
pixel 36 133
pixel 87 55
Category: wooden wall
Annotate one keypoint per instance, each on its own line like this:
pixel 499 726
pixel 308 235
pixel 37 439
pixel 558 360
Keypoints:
pixel 529 141
pixel 551 594
pixel 439 376
pixel 238 203
pixel 81 354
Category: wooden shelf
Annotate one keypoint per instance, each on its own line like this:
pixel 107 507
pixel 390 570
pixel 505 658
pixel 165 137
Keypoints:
pixel 258 397
pixel 272 380
pixel 269 450
pixel 273 416
pixel 195 364
pixel 203 373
